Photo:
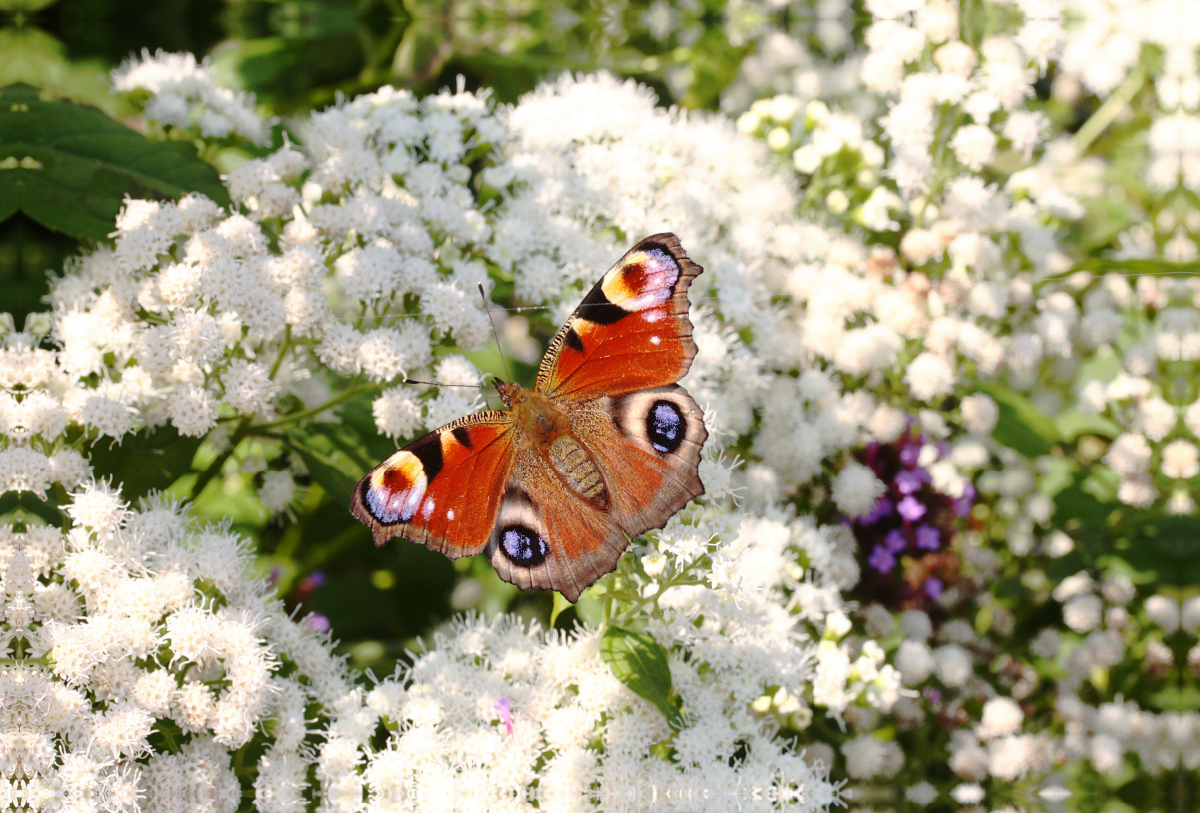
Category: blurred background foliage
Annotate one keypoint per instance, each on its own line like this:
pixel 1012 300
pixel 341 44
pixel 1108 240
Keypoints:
pixel 296 56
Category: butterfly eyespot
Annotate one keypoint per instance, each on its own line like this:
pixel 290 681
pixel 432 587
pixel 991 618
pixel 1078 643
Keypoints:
pixel 523 546
pixel 665 427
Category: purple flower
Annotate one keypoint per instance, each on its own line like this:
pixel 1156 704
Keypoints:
pixel 882 559
pixel 909 454
pixel 962 506
pixel 933 587
pixel 910 480
pixel 503 706
pixel 895 542
pixel 933 695
pixel 883 506
pixel 317 622
pixel 911 509
pixel 928 537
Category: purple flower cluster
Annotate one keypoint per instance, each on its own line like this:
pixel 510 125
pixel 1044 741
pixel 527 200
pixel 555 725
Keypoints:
pixel 908 530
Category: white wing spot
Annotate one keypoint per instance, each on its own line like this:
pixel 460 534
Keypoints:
pixel 427 508
pixel 450 514
pixel 655 340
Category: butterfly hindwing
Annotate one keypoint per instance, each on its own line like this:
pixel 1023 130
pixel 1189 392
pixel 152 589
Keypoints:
pixel 647 444
pixel 442 490
pixel 545 537
pixel 631 332
pixel 632 463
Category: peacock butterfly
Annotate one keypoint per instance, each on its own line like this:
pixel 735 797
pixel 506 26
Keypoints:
pixel 604 447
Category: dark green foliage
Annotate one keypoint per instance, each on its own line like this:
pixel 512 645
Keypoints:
pixel 68 166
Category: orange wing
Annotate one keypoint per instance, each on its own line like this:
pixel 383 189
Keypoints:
pixel 442 490
pixel 631 332
pixel 645 449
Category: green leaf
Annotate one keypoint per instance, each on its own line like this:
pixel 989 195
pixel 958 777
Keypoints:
pixel 1021 426
pixel 560 605
pixel 68 166
pixel 1166 547
pixel 151 461
pixel 1073 423
pixel 27 501
pixel 335 456
pixel 640 662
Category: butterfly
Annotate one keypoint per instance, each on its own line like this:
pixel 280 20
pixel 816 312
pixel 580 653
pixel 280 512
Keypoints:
pixel 604 447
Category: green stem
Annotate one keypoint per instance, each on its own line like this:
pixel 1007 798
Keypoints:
pixel 1113 106
pixel 283 349
pixel 214 468
pixel 317 410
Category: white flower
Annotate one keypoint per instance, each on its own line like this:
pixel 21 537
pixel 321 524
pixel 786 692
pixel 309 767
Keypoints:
pixel 1072 586
pixel 248 386
pixel 867 757
pixel 929 376
pixel 921 793
pixel 974 145
pixel 1129 455
pixel 1155 418
pixel 1180 460
pixel 184 92
pixel 916 625
pixel 1024 129
pixel 193 410
pixel 277 491
pixel 1001 716
pixel 967 794
pixel 856 488
pixel 1106 752
pixel 1082 613
pixel 397 413
pixel 915 662
pixel 953 664
pixel 1163 611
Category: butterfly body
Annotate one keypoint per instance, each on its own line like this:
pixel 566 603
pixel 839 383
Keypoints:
pixel 604 447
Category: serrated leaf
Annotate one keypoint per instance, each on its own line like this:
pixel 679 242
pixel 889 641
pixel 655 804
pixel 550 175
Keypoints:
pixel 640 662
pixel 151 461
pixel 68 166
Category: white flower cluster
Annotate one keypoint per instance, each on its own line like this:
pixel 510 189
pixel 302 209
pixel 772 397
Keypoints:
pixel 185 93
pixel 356 254
pixel 496 705
pixel 1104 615
pixel 626 169
pixel 140 652
pixel 356 250
pixel 352 254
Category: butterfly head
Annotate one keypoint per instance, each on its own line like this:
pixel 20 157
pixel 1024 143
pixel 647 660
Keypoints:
pixel 508 390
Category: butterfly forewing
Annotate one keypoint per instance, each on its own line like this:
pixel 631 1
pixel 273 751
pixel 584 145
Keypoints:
pixel 631 332
pixel 442 490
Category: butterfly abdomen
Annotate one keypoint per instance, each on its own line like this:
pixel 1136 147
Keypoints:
pixel 578 470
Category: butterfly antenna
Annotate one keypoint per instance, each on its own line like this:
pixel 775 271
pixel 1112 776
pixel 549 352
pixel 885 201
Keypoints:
pixel 495 333
pixel 439 384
